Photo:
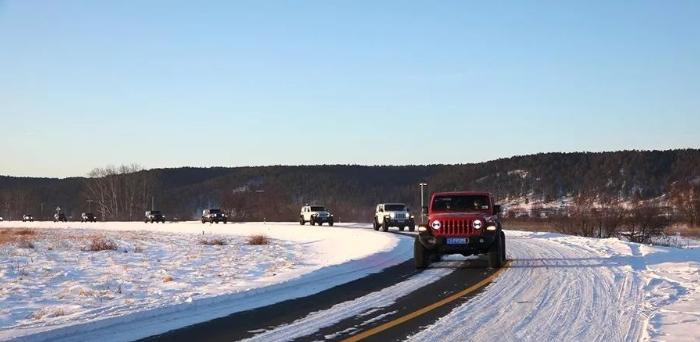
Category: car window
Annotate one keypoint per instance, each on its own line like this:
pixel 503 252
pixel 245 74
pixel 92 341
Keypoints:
pixel 461 203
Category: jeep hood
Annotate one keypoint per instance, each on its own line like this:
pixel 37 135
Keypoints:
pixel 460 216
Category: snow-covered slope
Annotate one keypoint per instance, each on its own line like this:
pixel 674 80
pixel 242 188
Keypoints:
pixel 566 288
pixel 162 277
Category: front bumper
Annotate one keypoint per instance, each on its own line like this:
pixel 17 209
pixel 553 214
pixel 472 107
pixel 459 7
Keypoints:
pixel 322 219
pixel 478 244
pixel 399 222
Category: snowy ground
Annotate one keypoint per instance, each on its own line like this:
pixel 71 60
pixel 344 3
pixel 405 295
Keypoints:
pixel 565 288
pixel 558 287
pixel 163 276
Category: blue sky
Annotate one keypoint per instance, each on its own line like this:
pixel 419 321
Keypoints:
pixel 85 84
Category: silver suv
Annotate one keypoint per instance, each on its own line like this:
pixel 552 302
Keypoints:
pixel 315 214
pixel 393 215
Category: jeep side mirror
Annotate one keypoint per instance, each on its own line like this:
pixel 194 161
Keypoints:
pixel 496 209
pixel 425 210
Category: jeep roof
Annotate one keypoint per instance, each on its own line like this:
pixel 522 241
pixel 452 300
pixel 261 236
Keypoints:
pixel 394 204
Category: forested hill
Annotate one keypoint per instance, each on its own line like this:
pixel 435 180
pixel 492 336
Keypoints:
pixel 277 192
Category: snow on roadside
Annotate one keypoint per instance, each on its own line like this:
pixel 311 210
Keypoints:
pixel 161 277
pixel 568 288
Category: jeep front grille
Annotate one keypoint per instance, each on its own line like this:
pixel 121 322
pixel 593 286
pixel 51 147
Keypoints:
pixel 457 227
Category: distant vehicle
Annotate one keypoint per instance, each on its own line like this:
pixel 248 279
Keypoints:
pixel 213 216
pixel 27 218
pixel 393 215
pixel 315 214
pixel 59 217
pixel 88 217
pixel 154 216
pixel 464 223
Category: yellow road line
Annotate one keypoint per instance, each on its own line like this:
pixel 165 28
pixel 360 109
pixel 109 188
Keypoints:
pixel 424 310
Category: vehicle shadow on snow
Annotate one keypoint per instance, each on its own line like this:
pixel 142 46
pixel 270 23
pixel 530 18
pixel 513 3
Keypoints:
pixel 457 262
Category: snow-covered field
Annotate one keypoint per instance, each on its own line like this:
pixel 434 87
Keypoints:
pixel 567 288
pixel 163 276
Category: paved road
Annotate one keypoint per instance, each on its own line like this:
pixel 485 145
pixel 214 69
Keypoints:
pixel 328 315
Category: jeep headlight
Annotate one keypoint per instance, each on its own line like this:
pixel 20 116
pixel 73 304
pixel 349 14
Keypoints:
pixel 436 224
pixel 392 215
pixel 477 224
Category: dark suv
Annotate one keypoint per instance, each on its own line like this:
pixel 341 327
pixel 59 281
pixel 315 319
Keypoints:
pixel 59 217
pixel 464 223
pixel 213 216
pixel 154 216
pixel 88 217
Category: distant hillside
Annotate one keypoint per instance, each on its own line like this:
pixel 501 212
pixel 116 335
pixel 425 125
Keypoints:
pixel 277 192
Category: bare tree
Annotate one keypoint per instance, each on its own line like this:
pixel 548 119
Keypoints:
pixel 120 193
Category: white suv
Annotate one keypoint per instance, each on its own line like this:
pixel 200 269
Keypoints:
pixel 315 214
pixel 393 215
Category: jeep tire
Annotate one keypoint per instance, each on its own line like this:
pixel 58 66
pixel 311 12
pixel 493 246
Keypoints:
pixel 421 256
pixel 376 224
pixel 330 223
pixel 496 252
pixel 313 223
pixel 301 220
pixel 401 228
pixel 503 247
pixel 385 225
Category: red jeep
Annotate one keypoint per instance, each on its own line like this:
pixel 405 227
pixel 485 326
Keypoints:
pixel 464 223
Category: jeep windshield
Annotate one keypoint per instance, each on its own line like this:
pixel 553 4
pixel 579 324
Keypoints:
pixel 318 209
pixel 155 212
pixel 460 203
pixel 215 211
pixel 395 207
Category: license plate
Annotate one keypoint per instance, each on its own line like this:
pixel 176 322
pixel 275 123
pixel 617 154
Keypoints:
pixel 456 241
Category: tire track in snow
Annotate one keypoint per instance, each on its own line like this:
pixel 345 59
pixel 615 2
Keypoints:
pixel 553 291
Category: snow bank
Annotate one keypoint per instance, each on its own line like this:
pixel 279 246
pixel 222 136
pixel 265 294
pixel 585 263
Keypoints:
pixel 162 277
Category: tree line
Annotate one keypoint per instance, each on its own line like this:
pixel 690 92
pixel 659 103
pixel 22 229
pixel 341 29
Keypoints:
pixel 602 184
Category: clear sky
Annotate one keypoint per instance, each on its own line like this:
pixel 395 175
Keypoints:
pixel 85 84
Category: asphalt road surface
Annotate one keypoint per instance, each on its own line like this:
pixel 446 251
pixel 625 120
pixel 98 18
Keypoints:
pixel 418 307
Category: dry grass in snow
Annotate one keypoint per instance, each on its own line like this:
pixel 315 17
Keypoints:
pixel 69 276
pixel 257 240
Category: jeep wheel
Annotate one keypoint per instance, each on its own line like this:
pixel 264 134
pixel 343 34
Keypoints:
pixel 503 247
pixel 401 228
pixel 301 220
pixel 495 253
pixel 435 257
pixel 375 224
pixel 412 228
pixel 313 223
pixel 320 223
pixel 421 256
pixel 203 222
pixel 385 226
pixel 330 223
